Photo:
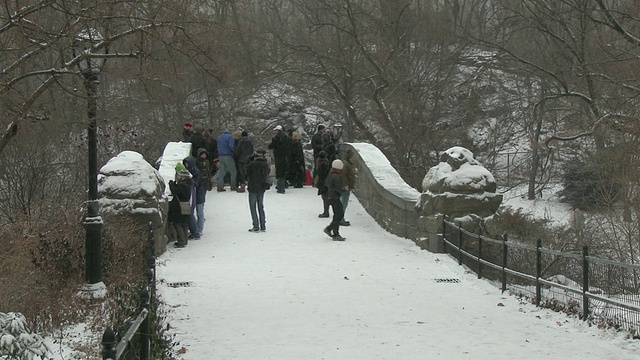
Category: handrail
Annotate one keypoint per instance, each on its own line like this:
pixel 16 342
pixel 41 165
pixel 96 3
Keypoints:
pixel 126 338
pixel 452 238
pixel 142 324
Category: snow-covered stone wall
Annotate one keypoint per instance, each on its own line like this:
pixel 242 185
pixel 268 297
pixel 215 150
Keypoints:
pixel 382 192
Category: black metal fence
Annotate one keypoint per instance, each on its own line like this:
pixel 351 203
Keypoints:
pixel 602 291
pixel 141 325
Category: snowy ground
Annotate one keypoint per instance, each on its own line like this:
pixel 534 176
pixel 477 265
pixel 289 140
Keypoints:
pixel 292 293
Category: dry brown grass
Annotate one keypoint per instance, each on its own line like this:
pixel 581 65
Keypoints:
pixel 42 268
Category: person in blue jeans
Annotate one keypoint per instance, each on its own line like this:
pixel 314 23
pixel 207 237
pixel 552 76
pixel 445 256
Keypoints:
pixel 257 172
pixel 199 193
pixel 226 148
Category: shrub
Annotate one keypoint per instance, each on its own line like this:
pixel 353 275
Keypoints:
pixel 590 183
pixel 17 341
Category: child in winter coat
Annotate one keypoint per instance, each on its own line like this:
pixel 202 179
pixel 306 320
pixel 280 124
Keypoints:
pixel 334 185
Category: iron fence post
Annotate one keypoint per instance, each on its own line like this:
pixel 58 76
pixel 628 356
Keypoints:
pixel 585 282
pixel 145 327
pixel 444 231
pixel 459 244
pixel 538 271
pixel 504 263
pixel 150 261
pixel 109 345
pixel 480 254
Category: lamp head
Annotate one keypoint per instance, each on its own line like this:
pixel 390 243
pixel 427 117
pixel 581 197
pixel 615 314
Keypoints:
pixel 92 64
pixel 337 129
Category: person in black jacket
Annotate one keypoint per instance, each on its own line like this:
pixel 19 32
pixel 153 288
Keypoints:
pixel 329 145
pixel 257 171
pixel 243 151
pixel 322 170
pixel 197 140
pixel 280 145
pixel 334 185
pixel 181 192
pixel 316 141
pixel 211 145
pixel 296 161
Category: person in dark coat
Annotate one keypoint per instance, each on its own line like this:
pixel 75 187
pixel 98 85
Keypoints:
pixel 187 131
pixel 329 145
pixel 211 145
pixel 296 161
pixel 181 192
pixel 197 140
pixel 257 171
pixel 243 151
pixel 322 166
pixel 334 185
pixel 280 145
pixel 204 165
pixel 316 141
pixel 199 192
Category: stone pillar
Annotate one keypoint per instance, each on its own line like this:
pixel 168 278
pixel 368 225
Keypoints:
pixel 129 186
pixel 460 188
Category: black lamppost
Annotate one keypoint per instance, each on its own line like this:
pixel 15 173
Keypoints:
pixel 337 130
pixel 90 67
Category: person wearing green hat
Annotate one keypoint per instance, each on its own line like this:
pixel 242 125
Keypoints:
pixel 179 167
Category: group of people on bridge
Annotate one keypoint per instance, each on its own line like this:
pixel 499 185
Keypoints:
pixel 234 156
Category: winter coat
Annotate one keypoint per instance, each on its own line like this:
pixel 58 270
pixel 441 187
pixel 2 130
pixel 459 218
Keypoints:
pixel 329 146
pixel 204 165
pixel 349 171
pixel 257 172
pixel 197 142
pixel 186 135
pixel 296 163
pixel 323 167
pixel 181 191
pixel 226 144
pixel 280 144
pixel 211 145
pixel 198 181
pixel 244 149
pixel 316 144
pixel 333 182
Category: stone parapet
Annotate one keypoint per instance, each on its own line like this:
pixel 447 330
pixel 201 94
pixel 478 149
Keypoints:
pixel 383 193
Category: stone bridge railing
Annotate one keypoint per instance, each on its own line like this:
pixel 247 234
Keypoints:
pixel 389 199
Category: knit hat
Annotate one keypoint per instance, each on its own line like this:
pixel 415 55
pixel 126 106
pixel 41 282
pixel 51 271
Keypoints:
pixel 337 164
pixel 184 174
pixel 188 124
pixel 279 127
pixel 179 167
pixel 245 133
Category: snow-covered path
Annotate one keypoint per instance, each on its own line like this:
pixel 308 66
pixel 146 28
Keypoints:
pixel 292 293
